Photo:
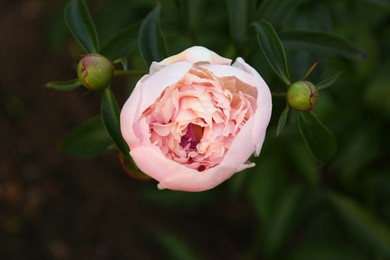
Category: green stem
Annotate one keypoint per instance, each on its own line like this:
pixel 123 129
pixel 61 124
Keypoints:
pixel 124 73
pixel 280 94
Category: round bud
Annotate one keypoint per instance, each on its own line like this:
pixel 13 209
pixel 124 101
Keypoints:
pixel 302 95
pixel 95 71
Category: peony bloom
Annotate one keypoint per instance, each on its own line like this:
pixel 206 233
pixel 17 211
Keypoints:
pixel 196 119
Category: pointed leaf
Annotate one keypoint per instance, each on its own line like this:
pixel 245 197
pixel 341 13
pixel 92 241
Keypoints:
pixel 131 169
pixel 79 22
pixel 64 85
pixel 273 49
pixel 282 120
pixel 151 40
pixel 318 41
pixel 110 119
pixel 122 43
pixel 122 61
pixel 88 140
pixel 319 140
pixel 277 11
pixel 310 70
pixel 328 82
pixel 363 224
pixel 194 10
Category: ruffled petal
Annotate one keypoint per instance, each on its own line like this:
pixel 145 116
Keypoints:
pixel 145 93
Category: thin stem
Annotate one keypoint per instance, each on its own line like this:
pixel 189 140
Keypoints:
pixel 124 73
pixel 280 94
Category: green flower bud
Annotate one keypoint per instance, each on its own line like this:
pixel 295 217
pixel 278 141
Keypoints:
pixel 302 95
pixel 95 71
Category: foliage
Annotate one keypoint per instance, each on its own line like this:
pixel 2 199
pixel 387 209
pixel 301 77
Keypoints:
pixel 311 200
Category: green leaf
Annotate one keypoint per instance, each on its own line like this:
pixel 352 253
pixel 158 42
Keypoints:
pixel 282 221
pixel 79 22
pixel 363 224
pixel 131 169
pixel 56 33
pixel 88 140
pixel 328 82
pixel 282 120
pixel 122 61
pixel 110 119
pixel 151 40
pixel 318 139
pixel 322 42
pixel 300 159
pixel 64 85
pixel 277 11
pixel 310 70
pixel 187 14
pixel 238 21
pixel 122 43
pixel 273 49
pixel 194 10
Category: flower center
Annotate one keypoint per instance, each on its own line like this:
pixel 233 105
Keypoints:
pixel 194 121
pixel 192 137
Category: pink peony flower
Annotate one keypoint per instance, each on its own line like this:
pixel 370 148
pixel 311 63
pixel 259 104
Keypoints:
pixel 195 120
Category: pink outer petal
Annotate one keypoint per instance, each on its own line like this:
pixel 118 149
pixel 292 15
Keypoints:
pixel 150 160
pixel 175 176
pixel 145 93
pixel 264 106
pixel 202 181
pixel 193 55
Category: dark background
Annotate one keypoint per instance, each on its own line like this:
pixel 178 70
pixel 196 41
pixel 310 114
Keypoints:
pixel 53 206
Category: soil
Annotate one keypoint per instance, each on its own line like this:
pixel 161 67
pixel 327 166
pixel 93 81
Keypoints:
pixel 53 206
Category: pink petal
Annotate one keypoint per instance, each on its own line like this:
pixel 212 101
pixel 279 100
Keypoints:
pixel 264 106
pixel 145 93
pixel 196 54
pixel 241 148
pixel 200 181
pixel 228 71
pixel 151 161
pixel 175 176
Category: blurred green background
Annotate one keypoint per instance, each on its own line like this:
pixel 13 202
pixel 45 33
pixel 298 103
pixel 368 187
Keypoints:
pixel 290 206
